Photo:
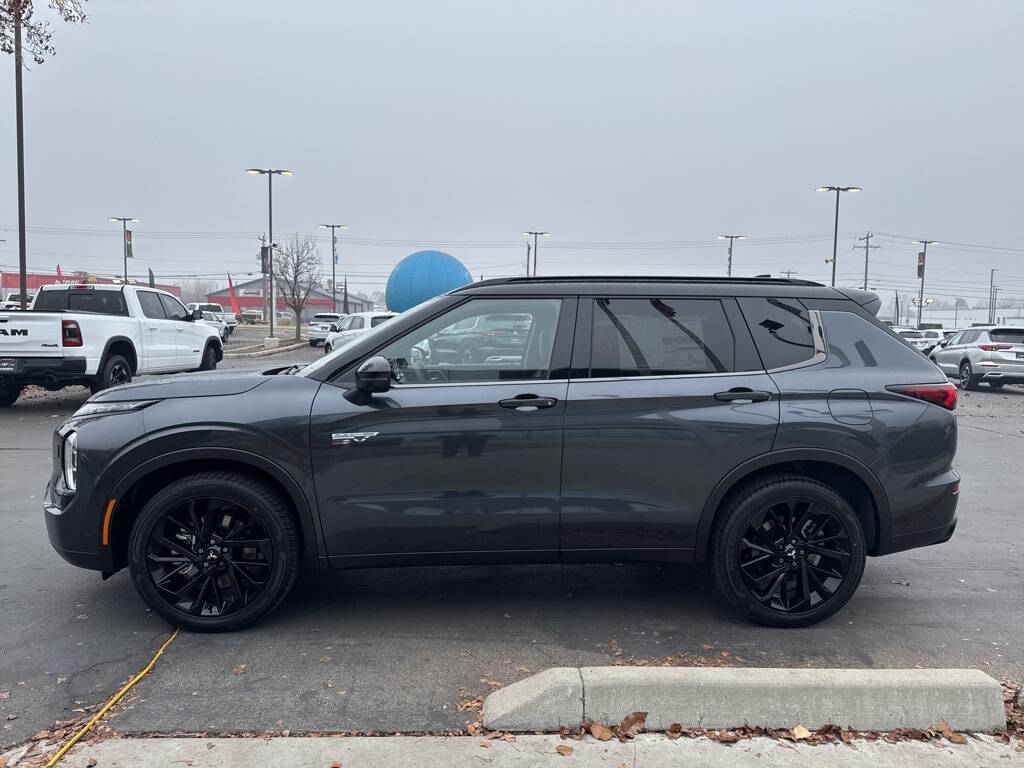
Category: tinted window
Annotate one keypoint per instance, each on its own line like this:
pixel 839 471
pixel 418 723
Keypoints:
pixel 356 324
pixel 47 301
pixel 99 302
pixel 378 320
pixel 855 342
pixel 911 334
pixel 781 330
pixel 443 351
pixel 173 308
pixel 660 337
pixel 1008 335
pixel 151 306
pixel 969 337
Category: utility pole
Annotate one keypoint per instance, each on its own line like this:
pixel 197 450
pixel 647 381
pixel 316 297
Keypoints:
pixel 124 240
pixel 992 295
pixel 270 173
pixel 867 248
pixel 788 273
pixel 535 234
pixel 896 311
pixel 835 234
pixel 730 238
pixel 19 118
pixel 921 259
pixel 334 263
pixel 956 311
pixel 528 258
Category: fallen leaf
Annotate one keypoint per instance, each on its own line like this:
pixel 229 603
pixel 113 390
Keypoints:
pixel 474 729
pixel 601 732
pixel 801 733
pixel 485 744
pixel 239 670
pixel 509 737
pixel 632 724
pixel 325 659
pixel 674 731
pixel 4 694
pixel 336 764
pixel 563 750
pixel 61 680
pixel 727 737
pixel 12 716
pixel 91 762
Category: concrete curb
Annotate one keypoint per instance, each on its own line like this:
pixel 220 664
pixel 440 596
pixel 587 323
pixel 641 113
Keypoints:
pixel 861 699
pixel 266 352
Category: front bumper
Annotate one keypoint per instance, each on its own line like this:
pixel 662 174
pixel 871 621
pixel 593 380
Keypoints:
pixel 44 370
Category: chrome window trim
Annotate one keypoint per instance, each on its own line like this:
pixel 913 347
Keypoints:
pixel 820 345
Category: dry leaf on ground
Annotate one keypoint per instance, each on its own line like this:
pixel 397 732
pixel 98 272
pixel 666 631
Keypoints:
pixel 601 732
pixel 563 750
pixel 800 733
pixel 632 724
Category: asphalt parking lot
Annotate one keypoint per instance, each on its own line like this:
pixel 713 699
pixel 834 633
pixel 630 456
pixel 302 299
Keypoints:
pixel 399 649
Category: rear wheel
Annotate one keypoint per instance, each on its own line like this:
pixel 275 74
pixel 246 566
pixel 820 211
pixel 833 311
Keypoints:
pixel 968 380
pixel 114 371
pixel 9 393
pixel 788 551
pixel 214 551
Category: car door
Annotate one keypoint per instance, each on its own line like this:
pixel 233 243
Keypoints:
pixel 458 461
pixel 667 396
pixel 160 338
pixel 190 337
pixel 945 355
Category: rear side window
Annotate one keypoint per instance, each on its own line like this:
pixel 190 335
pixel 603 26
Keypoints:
pixel 781 330
pixel 854 342
pixel 378 320
pixel 151 306
pixel 969 337
pixel 660 337
pixel 1007 335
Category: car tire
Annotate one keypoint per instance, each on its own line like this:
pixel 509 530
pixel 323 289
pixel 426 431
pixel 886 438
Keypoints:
pixel 217 584
pixel 968 380
pixel 328 348
pixel 760 571
pixel 995 384
pixel 209 362
pixel 312 342
pixel 115 371
pixel 9 393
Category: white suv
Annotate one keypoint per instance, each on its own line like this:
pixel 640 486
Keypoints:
pixel 353 326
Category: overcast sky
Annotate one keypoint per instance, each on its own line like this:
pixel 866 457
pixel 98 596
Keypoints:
pixel 460 124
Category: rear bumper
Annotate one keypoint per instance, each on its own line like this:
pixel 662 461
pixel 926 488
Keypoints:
pixel 935 513
pixel 1010 373
pixel 44 370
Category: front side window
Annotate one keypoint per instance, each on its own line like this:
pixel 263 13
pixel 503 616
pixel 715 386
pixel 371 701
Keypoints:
pixel 173 308
pixel 781 329
pixel 660 337
pixel 355 324
pixel 151 306
pixel 470 344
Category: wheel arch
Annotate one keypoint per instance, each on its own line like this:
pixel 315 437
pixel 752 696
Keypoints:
pixel 120 345
pixel 137 487
pixel 851 478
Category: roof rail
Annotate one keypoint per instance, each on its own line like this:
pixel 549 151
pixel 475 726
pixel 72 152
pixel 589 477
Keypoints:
pixel 645 279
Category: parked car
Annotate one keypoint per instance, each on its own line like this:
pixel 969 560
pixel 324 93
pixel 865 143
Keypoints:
pixel 100 336
pixel 933 336
pixel 354 325
pixel 993 355
pixel 230 318
pixel 483 338
pixel 214 320
pixel 773 429
pixel 12 300
pixel 915 338
pixel 321 326
pixel 252 316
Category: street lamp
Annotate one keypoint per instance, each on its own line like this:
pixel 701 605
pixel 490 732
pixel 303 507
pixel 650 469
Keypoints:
pixel 920 273
pixel 124 240
pixel 270 173
pixel 835 234
pixel 535 236
pixel 334 263
pixel 730 238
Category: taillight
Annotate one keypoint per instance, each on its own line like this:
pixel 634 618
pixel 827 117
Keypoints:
pixel 995 347
pixel 70 333
pixel 942 395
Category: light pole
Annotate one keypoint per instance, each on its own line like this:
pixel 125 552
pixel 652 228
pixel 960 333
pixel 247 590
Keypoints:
pixel 992 295
pixel 124 240
pixel 270 173
pixel 535 236
pixel 835 234
pixel 334 263
pixel 730 238
pixel 920 274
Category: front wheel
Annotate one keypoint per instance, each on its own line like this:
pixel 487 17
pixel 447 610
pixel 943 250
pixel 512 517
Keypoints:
pixel 328 349
pixel 214 551
pixel 116 370
pixel 788 551
pixel 209 362
pixel 9 393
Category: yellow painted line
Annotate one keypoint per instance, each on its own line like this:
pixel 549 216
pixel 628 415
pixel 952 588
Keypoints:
pixel 117 697
pixel 106 522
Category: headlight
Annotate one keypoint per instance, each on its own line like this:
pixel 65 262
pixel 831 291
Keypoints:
pixel 70 454
pixel 97 409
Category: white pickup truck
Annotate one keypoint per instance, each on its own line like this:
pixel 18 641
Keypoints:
pixel 100 336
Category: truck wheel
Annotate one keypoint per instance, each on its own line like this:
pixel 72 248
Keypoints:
pixel 214 551
pixel 9 393
pixel 114 371
pixel 209 359
pixel 788 551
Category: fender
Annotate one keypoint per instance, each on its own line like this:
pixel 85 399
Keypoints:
pixel 310 522
pixel 736 474
pixel 114 340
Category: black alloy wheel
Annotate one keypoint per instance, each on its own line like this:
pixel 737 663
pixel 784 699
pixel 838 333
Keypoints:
pixel 214 551
pixel 787 550
pixel 794 555
pixel 114 371
pixel 968 380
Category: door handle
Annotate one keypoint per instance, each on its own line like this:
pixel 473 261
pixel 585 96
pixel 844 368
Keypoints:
pixel 180 330
pixel 528 402
pixel 743 395
pixel 150 327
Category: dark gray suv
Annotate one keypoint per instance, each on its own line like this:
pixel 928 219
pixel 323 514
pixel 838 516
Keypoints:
pixel 773 429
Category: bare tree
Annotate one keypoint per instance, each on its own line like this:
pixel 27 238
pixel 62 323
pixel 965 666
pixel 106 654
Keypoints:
pixel 297 273
pixel 196 290
pixel 37 39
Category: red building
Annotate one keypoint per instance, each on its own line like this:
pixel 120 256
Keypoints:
pixel 250 296
pixel 10 282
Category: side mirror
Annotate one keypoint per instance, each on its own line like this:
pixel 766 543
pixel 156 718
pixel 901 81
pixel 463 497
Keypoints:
pixel 334 329
pixel 372 376
pixel 197 314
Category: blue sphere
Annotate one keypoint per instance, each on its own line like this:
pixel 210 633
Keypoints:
pixel 421 276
